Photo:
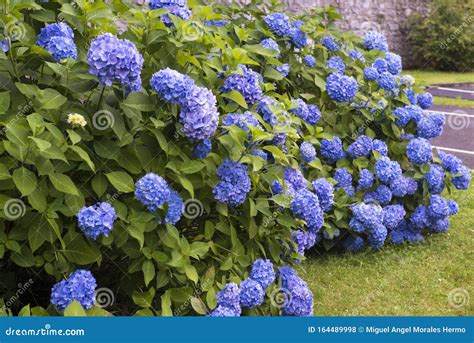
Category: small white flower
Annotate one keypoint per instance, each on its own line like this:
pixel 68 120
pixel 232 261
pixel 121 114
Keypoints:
pixel 76 119
pixel 408 80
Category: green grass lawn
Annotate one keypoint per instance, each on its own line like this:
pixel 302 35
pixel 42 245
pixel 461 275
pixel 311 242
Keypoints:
pixel 399 280
pixel 440 77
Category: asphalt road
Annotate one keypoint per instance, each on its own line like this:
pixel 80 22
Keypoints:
pixel 463 91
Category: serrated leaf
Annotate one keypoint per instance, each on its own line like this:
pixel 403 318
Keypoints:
pixel 121 181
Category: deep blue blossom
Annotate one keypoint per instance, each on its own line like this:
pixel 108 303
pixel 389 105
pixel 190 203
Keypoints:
pixel 453 207
pixel 260 153
pixel 54 30
pixel 329 43
pixel 332 150
pixel 371 73
pixel 264 109
pixel 294 180
pixel 425 100
pixel 308 152
pixel 229 296
pixel 298 36
pixel 299 296
pixel 405 232
pixel 362 147
pixel 175 207
pixel 435 179
pixel 4 45
pixel 58 40
pixel 96 220
pixel 246 121
pixel 251 293
pixel 399 186
pixel 430 125
pixel 115 60
pixel 310 61
pixel 375 40
pixel 305 206
pixel 313 115
pixel 393 215
pixel 387 170
pixel 263 273
pixel 178 8
pixel 277 187
pixel 419 217
pixel 366 179
pixel 387 81
pixel 440 225
pixel 344 181
pixel 380 146
pixel 412 186
pixel 279 24
pixel 381 65
pixel 353 244
pixel 366 217
pixel 199 115
pixel 341 88
pixel 394 63
pixel 234 184
pixel 419 151
pixel 271 44
pixel 463 180
pixel 325 192
pixel 337 64
pixel 356 55
pixel 152 191
pixel 284 69
pixel 79 286
pixel 224 311
pixel 452 163
pixel 202 149
pixel 410 95
pixel 376 238
pixel 171 85
pixel 382 194
pixel 247 84
pixel 438 208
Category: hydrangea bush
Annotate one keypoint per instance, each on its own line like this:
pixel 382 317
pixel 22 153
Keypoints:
pixel 184 157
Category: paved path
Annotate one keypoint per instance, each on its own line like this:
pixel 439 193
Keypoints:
pixel 463 91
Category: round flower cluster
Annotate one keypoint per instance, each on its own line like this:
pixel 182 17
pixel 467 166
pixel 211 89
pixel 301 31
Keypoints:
pixel 112 59
pixel 310 61
pixel 234 183
pixel 294 181
pixel 344 181
pixel 171 85
pixel 362 147
pixel 270 44
pixel 337 64
pixel 96 220
pixel 325 192
pixel 419 151
pixel 299 296
pixel 247 84
pixel 341 88
pixel 425 100
pixel 246 121
pixel 299 38
pixel 332 150
pixel 375 40
pixel 202 149
pixel 279 24
pixel 329 43
pixel 308 152
pixel 305 206
pixel 178 8
pixel 79 286
pixel 58 40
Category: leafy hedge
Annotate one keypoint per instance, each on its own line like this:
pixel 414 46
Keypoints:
pixel 161 187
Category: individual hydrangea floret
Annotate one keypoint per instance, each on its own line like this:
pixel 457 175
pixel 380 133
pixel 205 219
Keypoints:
pixel 251 293
pixel 425 100
pixel 394 63
pixel 284 69
pixel 199 115
pixel 234 183
pixel 353 244
pixel 308 152
pixel 271 44
pixel 387 170
pixel 263 273
pixel 175 207
pixel 375 40
pixel 341 88
pixel 297 291
pixel 337 64
pixel 152 191
pixel 380 146
pixel 329 43
pixel 79 286
pixel 171 85
pixel 115 60
pixel 366 179
pixel 305 206
pixel 419 151
pixel 96 220
pixel 202 149
pixel 362 147
pixel 332 150
pixel 325 192
pixel 371 73
pixel 392 215
pixel 247 84
pixel 279 24
pixel 277 187
pixel 310 61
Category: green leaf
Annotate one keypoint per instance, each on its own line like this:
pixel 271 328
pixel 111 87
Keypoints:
pixel 144 299
pixel 63 183
pixel 79 251
pixel 199 306
pixel 122 181
pixel 41 143
pixel 191 273
pixel 187 185
pixel 51 99
pixel 192 167
pixel 83 155
pixel 75 310
pixel 4 172
pixel 237 97
pixel 4 101
pixel 148 269
pixel 24 180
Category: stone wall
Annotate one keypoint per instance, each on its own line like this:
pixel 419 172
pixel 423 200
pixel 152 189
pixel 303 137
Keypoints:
pixel 360 16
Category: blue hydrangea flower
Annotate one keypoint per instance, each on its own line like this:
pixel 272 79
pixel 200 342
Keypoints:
pixel 376 238
pixel 430 125
pixel 392 215
pixel 419 217
pixel 298 36
pixel 367 217
pixel 277 187
pixel 386 170
pixel 435 179
pixel 353 244
pixel 4 45
pixel 325 192
pixel 425 100
pixel 380 146
pixel 405 231
pixel 381 65
pixel 337 64
pixel 394 63
pixel 399 187
pixel 356 55
pixel 310 61
pixel 412 186
pixel 234 184
pixel 329 43
pixel 299 237
pixel 410 95
pixel 61 48
pixel 453 207
pixel 463 180
pixel 229 296
pixel 263 273
pixel 440 225
pixel 361 147
pixel 284 69
pixel 80 286
pixel 452 163
pixel 341 88
pixel 300 298
pixel 178 8
pixel 171 85
pixel 332 151
pixel 175 207
pixel 152 191
pixel 216 23
pixel 54 30
pixel 371 73
pixel 366 179
pixel 375 40
pixel 247 84
pixel 251 293
pixel 264 109
pixel 308 152
pixel 279 24
pixel 294 181
pixel 245 121
pixel 202 149
pixel 223 311
pixel 271 44
pixel 382 194
pixel 419 151
pixel 313 115
pixel 199 115
pixel 260 153
pixel 344 181
pixel 387 81
pixel 113 59
pixel 438 207
pixel 305 206
pixel 96 220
